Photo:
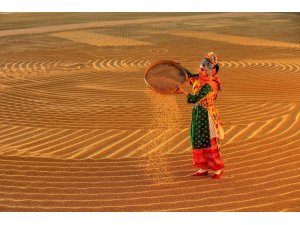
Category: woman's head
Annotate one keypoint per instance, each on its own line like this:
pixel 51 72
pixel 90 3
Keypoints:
pixel 208 64
pixel 211 57
pixel 208 71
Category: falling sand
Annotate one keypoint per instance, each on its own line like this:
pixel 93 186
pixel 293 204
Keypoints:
pixel 167 114
pixel 164 79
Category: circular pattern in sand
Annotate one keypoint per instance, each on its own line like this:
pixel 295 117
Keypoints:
pixel 120 64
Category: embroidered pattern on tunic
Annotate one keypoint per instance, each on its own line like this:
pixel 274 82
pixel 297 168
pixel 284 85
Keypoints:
pixel 207 102
pixel 212 127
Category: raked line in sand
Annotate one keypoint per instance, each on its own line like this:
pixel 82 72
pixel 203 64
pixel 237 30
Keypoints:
pixel 99 40
pixel 234 39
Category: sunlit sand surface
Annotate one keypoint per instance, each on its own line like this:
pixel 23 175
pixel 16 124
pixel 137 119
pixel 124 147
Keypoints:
pixel 80 131
pixel 99 40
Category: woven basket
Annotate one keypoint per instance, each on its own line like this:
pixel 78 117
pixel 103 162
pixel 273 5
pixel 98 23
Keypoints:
pixel 165 76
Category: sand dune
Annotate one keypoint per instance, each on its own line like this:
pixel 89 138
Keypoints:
pixel 80 131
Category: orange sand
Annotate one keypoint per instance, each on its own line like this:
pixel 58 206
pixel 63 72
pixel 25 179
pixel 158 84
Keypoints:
pixel 80 131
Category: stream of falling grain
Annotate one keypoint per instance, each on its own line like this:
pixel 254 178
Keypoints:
pixel 167 119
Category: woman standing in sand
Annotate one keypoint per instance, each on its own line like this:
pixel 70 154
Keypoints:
pixel 206 126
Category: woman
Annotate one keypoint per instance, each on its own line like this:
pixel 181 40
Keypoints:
pixel 206 126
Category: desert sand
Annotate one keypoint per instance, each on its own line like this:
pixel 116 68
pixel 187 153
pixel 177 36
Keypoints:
pixel 80 130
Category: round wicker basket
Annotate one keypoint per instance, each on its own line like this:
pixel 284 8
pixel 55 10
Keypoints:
pixel 165 76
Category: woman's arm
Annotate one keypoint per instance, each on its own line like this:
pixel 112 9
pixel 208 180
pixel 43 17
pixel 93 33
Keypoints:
pixel 190 75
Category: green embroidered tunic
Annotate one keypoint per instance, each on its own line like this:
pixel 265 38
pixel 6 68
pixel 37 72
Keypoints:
pixel 199 133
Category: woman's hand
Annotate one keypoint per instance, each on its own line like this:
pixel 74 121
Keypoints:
pixel 181 91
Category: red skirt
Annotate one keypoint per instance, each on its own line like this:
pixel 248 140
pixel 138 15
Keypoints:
pixel 208 158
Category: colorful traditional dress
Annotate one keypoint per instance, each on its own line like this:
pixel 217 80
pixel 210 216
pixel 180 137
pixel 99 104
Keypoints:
pixel 206 126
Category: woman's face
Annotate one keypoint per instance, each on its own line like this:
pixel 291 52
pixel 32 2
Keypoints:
pixel 212 60
pixel 202 72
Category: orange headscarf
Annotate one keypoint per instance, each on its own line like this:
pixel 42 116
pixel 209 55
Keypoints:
pixel 215 82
